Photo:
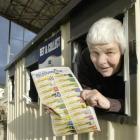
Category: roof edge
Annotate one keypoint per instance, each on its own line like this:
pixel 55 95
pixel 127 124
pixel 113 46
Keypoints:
pixel 60 16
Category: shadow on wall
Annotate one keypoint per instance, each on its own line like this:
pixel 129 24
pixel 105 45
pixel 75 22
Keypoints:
pixel 30 126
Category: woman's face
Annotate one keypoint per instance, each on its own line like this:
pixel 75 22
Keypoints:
pixel 106 58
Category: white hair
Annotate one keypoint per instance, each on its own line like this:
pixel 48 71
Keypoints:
pixel 106 30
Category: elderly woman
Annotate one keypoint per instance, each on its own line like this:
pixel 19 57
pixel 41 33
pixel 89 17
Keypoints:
pixel 101 66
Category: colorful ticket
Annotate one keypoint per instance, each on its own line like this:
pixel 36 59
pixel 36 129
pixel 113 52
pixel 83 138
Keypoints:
pixel 59 89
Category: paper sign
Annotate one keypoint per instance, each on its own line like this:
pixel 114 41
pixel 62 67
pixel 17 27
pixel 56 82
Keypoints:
pixel 59 89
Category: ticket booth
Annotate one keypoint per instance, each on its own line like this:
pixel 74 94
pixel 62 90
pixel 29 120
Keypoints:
pixel 26 118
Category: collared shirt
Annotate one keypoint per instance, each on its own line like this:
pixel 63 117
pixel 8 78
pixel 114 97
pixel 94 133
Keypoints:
pixel 112 87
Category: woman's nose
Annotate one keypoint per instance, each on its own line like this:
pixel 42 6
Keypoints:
pixel 102 59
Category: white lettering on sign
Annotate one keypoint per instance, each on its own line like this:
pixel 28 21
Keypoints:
pixel 42 51
pixel 50 46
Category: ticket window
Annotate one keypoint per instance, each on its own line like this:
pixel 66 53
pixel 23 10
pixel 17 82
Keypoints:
pixel 12 88
pixel 128 20
pixel 31 92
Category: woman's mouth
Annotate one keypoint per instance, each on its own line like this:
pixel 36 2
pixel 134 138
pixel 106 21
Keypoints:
pixel 105 69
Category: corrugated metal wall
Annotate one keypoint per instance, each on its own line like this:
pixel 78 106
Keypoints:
pixel 32 123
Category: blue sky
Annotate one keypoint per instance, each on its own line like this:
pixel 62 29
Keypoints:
pixel 16 43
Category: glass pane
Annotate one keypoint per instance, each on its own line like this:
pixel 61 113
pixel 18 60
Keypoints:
pixel 28 36
pixel 16 47
pixel 16 31
pixel 4 27
pixel 4 24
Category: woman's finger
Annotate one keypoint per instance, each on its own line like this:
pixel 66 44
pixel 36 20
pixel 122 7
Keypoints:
pixel 84 94
pixel 92 101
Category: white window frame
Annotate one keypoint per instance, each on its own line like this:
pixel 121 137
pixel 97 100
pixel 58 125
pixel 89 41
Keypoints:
pixel 126 67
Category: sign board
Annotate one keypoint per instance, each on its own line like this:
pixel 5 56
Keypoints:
pixel 50 52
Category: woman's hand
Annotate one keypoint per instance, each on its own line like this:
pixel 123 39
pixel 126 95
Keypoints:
pixel 95 98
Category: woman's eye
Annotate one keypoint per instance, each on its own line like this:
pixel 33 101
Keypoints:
pixel 95 53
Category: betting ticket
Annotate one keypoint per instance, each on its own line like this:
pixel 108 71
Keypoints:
pixel 59 89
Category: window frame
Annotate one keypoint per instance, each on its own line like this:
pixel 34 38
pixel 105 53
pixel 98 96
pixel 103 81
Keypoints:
pixel 12 88
pixel 28 83
pixel 130 79
pixel 130 76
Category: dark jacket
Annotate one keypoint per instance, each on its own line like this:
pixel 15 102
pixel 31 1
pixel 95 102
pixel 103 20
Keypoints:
pixel 112 87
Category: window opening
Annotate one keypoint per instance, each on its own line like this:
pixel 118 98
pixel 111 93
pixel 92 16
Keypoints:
pixel 30 87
